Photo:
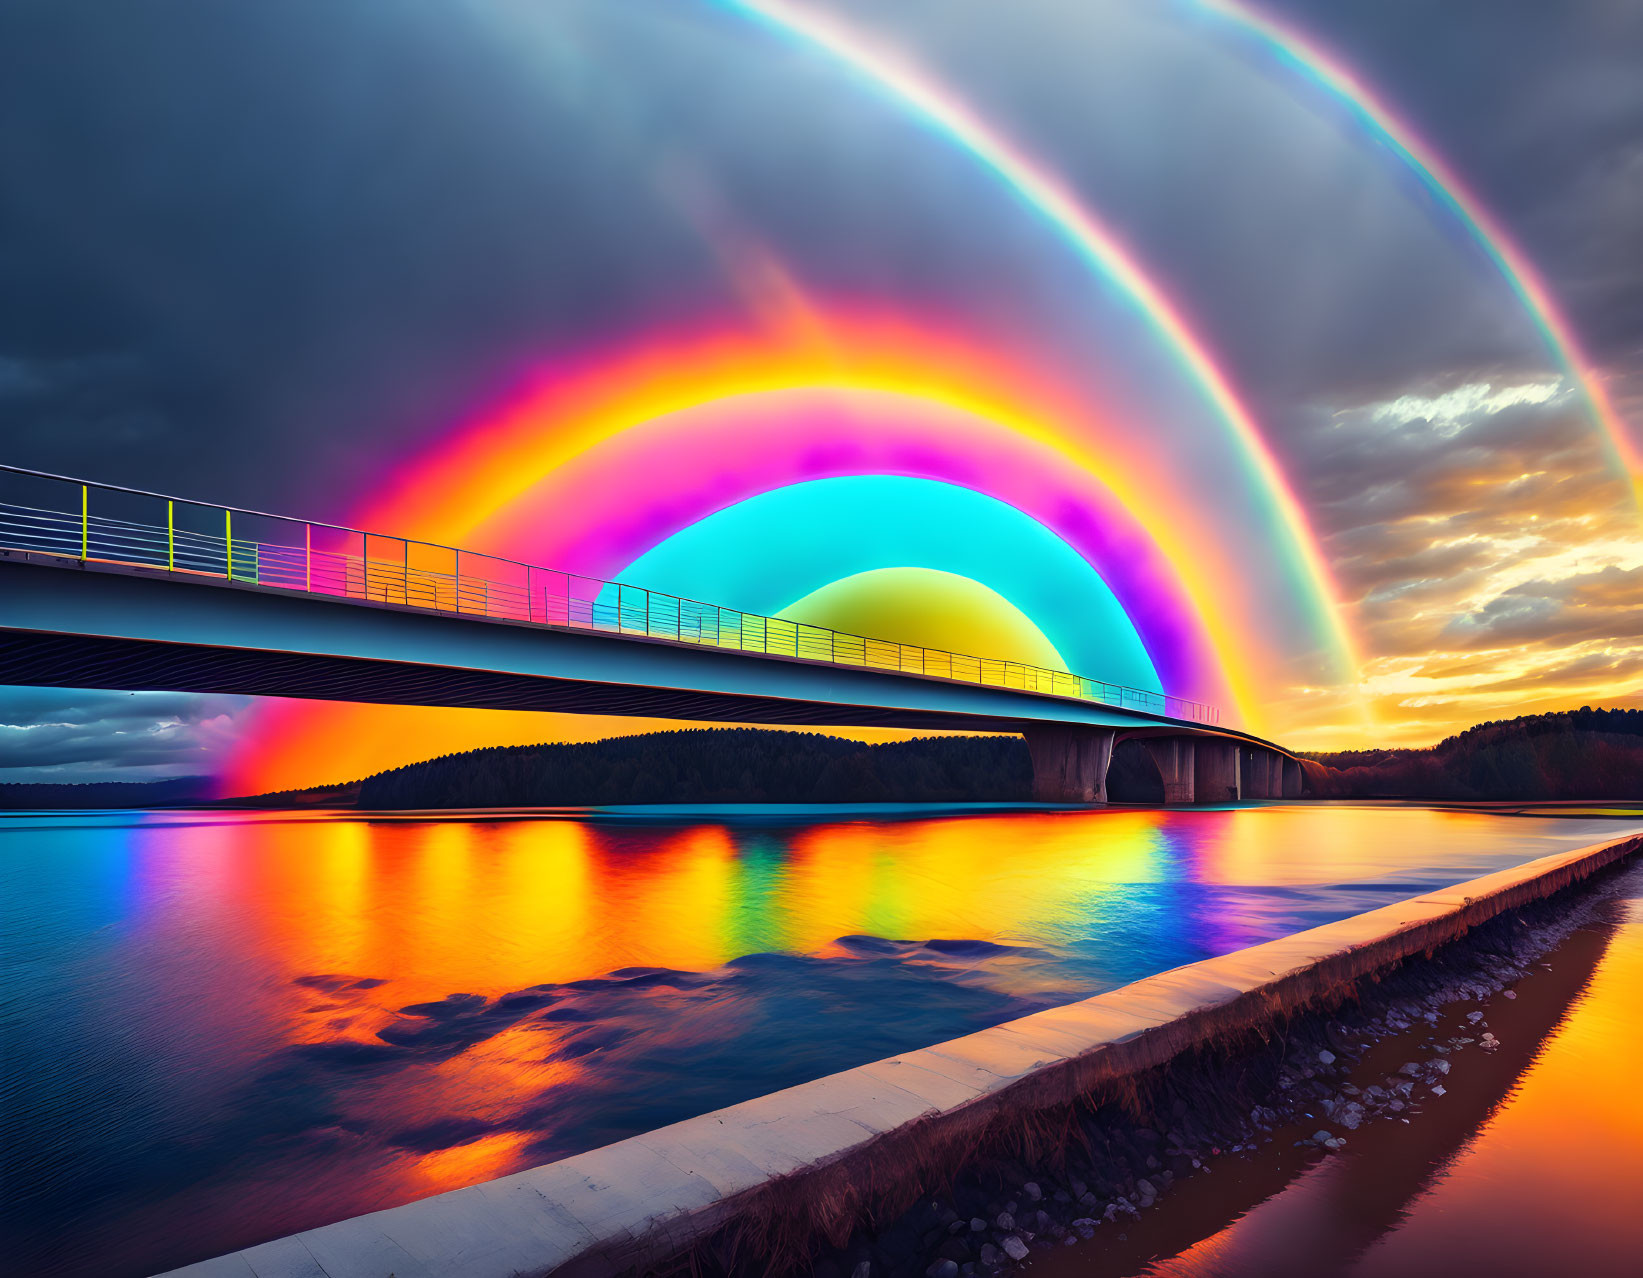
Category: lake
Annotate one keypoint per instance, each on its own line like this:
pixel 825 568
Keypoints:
pixel 222 1027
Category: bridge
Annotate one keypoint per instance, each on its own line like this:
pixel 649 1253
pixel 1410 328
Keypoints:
pixel 110 587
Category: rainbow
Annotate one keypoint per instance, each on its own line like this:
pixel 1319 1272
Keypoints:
pixel 679 460
pixel 1304 58
pixel 1041 191
pixel 752 470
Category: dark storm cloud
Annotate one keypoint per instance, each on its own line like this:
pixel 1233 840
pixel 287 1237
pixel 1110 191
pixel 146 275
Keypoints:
pixel 305 233
pixel 49 734
pixel 1537 106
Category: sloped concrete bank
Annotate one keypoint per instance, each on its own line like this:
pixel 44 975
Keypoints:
pixel 783 1176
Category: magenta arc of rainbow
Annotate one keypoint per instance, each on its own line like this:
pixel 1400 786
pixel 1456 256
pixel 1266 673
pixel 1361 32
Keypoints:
pixel 1041 191
pixel 1304 58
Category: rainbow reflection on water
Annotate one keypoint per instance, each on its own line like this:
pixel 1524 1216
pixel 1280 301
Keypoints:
pixel 323 1015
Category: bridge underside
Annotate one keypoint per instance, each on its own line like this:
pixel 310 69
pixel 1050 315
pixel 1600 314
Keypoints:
pixel 77 628
pixel 86 661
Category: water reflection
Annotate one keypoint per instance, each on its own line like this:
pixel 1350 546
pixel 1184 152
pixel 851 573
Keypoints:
pixel 321 1016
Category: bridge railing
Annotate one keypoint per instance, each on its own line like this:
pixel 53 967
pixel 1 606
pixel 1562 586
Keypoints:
pixel 125 527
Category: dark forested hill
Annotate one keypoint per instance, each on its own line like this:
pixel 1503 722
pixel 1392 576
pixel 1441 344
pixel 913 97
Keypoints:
pixel 734 765
pixel 711 765
pixel 1574 754
pixel 103 794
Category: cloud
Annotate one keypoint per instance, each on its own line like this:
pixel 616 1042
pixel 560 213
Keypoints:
pixel 49 734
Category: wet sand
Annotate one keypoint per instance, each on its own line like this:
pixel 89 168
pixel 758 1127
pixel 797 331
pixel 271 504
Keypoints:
pixel 1530 1163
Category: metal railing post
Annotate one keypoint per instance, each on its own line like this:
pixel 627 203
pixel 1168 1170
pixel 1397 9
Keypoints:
pixel 171 536
pixel 85 524
pixel 308 558
pixel 228 539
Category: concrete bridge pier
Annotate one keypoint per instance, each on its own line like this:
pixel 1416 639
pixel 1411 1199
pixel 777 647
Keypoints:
pixel 1294 781
pixel 1216 774
pixel 1257 774
pixel 1176 761
pixel 1069 763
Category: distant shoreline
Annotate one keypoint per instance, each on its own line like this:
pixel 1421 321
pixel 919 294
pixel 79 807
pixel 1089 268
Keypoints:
pixel 1577 756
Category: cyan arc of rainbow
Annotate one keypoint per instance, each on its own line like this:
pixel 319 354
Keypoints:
pixel 1304 58
pixel 769 549
pixel 1098 247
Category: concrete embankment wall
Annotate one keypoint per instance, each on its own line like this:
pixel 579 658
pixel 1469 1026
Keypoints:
pixel 803 1163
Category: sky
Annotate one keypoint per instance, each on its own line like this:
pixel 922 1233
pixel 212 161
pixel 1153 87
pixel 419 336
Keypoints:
pixel 397 263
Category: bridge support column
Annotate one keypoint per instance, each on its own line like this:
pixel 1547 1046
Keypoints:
pixel 1257 773
pixel 1070 764
pixel 1294 782
pixel 1176 760
pixel 1215 771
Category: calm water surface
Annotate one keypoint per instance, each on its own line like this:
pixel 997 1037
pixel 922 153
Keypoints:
pixel 219 1028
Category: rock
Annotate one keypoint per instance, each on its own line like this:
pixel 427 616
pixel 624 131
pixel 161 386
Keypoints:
pixel 1326 1057
pixel 1440 1090
pixel 1078 1187
pixel 1086 1227
pixel 989 1254
pixel 1014 1248
pixel 1441 1066
pixel 1321 1137
pixel 942 1269
pixel 864 1268
pixel 1508 993
pixel 1350 1116
pixel 977 1225
pixel 1409 1069
pixel 1044 1223
pixel 1087 1199
pixel 1474 1017
pixel 1005 1221
pixel 1033 1192
pixel 1146 1188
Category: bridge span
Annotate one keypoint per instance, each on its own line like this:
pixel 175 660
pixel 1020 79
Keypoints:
pixel 106 587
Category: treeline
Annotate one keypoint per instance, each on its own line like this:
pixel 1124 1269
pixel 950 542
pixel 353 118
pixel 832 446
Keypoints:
pixel 15 795
pixel 1573 754
pixel 711 765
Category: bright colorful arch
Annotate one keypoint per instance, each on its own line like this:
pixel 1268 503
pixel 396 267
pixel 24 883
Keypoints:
pixel 596 465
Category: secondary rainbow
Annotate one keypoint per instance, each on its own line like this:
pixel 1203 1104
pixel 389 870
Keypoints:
pixel 1042 191
pixel 1307 59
